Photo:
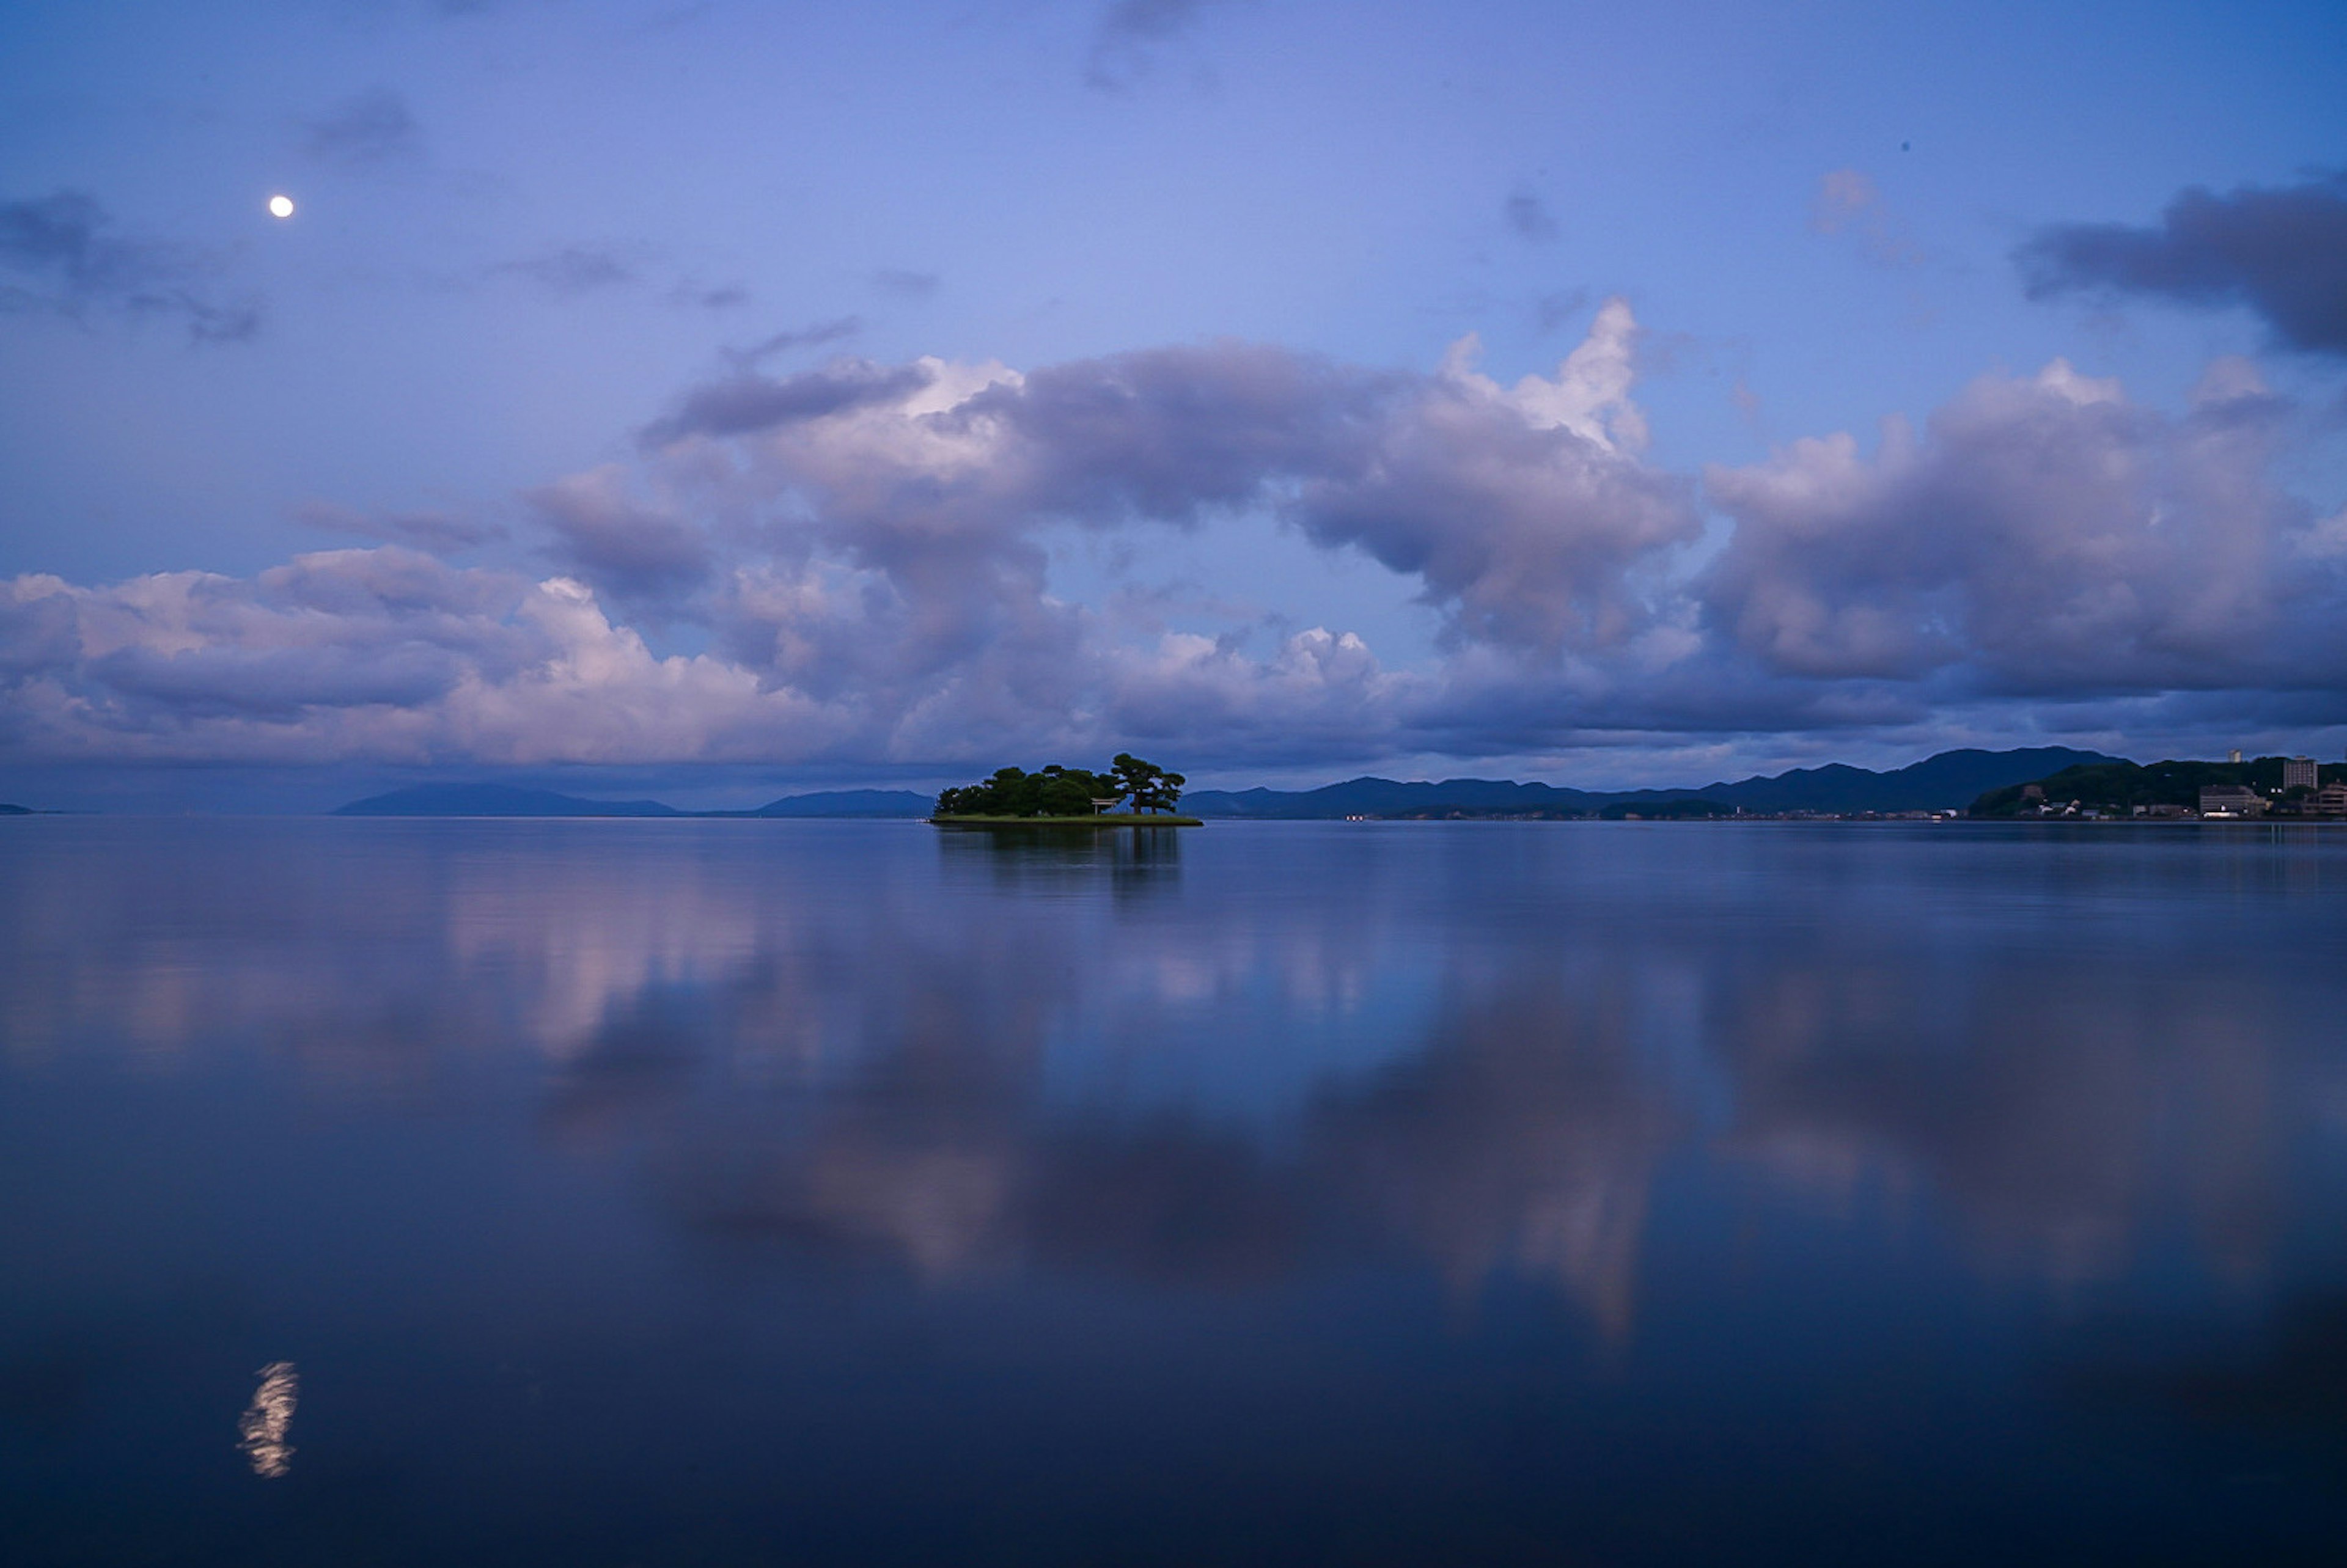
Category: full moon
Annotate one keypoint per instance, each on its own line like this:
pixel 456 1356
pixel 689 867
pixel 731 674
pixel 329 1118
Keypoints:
pixel 281 207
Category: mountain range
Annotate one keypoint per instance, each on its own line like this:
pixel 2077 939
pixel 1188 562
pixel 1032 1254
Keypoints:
pixel 505 800
pixel 1950 781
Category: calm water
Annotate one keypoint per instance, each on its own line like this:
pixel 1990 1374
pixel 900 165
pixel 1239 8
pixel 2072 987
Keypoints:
pixel 735 1192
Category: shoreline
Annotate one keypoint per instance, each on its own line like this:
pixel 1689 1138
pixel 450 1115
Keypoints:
pixel 1124 819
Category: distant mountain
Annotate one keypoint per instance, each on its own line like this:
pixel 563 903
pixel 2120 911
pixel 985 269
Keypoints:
pixel 1948 782
pixel 1384 798
pixel 15 811
pixel 850 803
pixel 496 800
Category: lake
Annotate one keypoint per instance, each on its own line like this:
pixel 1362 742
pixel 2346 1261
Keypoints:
pixel 723 1191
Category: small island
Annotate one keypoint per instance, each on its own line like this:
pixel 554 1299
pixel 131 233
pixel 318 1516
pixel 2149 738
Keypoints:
pixel 1068 798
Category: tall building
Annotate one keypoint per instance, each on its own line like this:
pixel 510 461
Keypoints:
pixel 2297 771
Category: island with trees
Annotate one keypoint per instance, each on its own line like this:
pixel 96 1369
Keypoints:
pixel 1061 797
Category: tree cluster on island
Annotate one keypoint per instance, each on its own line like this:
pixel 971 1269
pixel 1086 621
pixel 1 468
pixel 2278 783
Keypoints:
pixel 1058 791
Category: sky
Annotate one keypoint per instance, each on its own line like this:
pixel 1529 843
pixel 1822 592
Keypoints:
pixel 724 400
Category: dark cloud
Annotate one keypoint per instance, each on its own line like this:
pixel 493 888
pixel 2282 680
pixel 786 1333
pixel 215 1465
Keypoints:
pixel 575 269
pixel 602 533
pixel 818 335
pixel 904 283
pixel 367 130
pixel 279 684
pixel 2281 251
pixel 1528 216
pixel 73 259
pixel 438 533
pixel 748 403
pixel 719 297
pixel 1128 36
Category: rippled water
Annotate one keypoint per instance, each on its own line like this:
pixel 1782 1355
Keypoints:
pixel 743 1192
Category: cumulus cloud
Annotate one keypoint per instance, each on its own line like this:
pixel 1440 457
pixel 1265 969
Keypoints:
pixel 2043 533
pixel 67 255
pixel 1522 511
pixel 2281 251
pixel 367 130
pixel 862 555
pixel 364 654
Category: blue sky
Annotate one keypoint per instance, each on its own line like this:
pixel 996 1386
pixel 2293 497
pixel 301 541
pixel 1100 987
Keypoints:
pixel 733 397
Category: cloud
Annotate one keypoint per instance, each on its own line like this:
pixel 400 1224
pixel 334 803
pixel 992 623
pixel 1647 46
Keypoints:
pixel 1528 216
pixel 1128 34
pixel 606 536
pixel 1848 201
pixel 1521 511
pixel 2045 533
pixel 382 654
pixel 747 403
pixel 73 259
pixel 905 285
pixel 574 270
pixel 1524 512
pixel 2281 251
pixel 862 555
pixel 817 335
pixel 367 130
pixel 437 533
pixel 716 297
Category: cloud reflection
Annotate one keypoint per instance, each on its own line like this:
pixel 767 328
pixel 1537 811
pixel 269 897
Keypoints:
pixel 1219 1068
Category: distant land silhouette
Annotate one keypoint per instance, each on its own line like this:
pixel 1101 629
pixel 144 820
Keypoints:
pixel 850 803
pixel 1948 782
pixel 15 810
pixel 505 800
pixel 495 800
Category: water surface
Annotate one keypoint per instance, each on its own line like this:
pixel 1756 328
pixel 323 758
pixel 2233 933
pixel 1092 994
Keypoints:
pixel 807 1192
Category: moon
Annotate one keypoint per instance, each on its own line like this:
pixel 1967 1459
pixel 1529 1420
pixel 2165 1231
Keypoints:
pixel 281 207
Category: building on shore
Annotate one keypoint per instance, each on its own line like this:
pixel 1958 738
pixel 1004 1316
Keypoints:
pixel 2231 800
pixel 2299 772
pixel 2330 800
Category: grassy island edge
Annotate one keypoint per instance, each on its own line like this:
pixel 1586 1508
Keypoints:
pixel 1116 819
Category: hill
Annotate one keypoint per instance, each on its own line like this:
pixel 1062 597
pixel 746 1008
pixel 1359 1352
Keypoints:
pixel 495 800
pixel 2118 787
pixel 1947 782
pixel 866 803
